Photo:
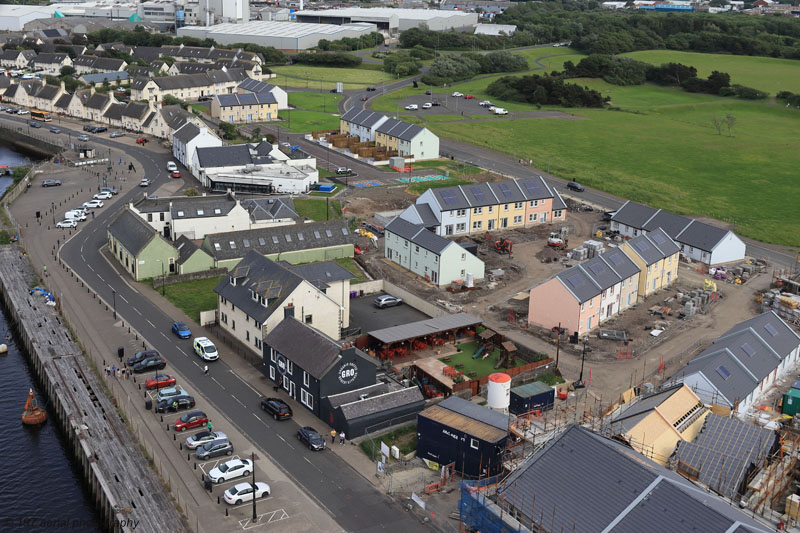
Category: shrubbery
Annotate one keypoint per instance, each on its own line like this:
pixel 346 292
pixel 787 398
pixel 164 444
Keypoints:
pixel 348 44
pixel 450 68
pixel 402 63
pixel 337 59
pixel 545 90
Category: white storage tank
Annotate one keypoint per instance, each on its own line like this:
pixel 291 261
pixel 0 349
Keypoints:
pixel 470 280
pixel 499 394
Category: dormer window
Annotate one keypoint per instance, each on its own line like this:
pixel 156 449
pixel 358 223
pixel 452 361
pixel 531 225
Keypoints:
pixel 180 213
pixel 233 281
pixel 200 212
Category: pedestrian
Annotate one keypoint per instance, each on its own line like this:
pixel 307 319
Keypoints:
pixel 108 370
pixel 205 370
pixel 175 405
pixel 45 269
pixel 92 214
pixel 333 436
pixel 128 374
pixel 209 425
pixel 341 437
pixel 119 373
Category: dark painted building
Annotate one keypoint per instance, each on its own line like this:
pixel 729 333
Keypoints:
pixel 461 432
pixel 372 408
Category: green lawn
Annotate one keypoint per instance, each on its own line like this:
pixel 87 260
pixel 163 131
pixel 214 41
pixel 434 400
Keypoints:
pixel 201 108
pixel 317 210
pixel 300 121
pixel 325 173
pixel 191 297
pixel 404 438
pixel 326 77
pixel 328 194
pixel 765 73
pixel 350 264
pixel 324 102
pixel 422 186
pixel 483 367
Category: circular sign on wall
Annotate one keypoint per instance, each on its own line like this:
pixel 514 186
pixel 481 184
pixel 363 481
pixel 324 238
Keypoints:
pixel 348 373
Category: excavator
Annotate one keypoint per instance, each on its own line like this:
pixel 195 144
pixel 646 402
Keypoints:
pixel 556 241
pixel 503 246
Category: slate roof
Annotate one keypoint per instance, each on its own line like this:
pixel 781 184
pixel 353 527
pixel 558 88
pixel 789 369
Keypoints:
pixel 418 235
pixel 188 206
pixel 114 111
pixel 506 192
pixel 633 214
pixel 616 259
pixel 224 156
pixel 5 82
pixel 175 116
pixel 232 100
pixel 420 214
pixel 48 59
pixel 193 68
pixel 181 81
pixel 363 117
pixel 97 101
pixel 654 246
pixel 185 248
pixel 99 63
pixel 421 328
pixel 480 194
pixel 48 92
pixel 269 241
pixel 321 273
pixel 400 129
pixel 581 481
pixel 100 77
pixel 476 412
pixel 132 232
pixel 590 278
pixel 671 223
pixel 11 91
pixel 135 110
pixel 723 453
pixel 451 198
pixel 740 359
pixel 255 86
pixel 186 133
pixel 270 208
pixel 701 235
pixel 269 279
pixel 493 193
pixel 316 354
pixel 12 55
pixel 377 404
pixel 558 201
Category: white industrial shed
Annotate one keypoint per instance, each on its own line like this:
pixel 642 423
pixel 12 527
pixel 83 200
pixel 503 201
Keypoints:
pixel 14 17
pixel 391 19
pixel 288 36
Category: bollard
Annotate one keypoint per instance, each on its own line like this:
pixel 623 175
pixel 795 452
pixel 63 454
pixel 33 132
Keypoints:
pixel 188 457
pixel 174 437
pixel 226 511
pixel 162 419
pixel 218 500
pixel 180 445
pixel 195 466
pixel 145 394
pixel 167 427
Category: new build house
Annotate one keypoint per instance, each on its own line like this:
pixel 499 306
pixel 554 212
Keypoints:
pixel 481 207
pixel 743 363
pixel 409 140
pixel 657 257
pixel 90 64
pixel 245 108
pixel 584 296
pixel 698 241
pixel 50 63
pixel 253 86
pixel 187 86
pixel 428 255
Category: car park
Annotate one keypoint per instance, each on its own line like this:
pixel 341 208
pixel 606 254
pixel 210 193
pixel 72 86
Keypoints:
pixel 144 183
pixel 179 403
pixel 411 107
pixel 170 392
pixel 427 105
pixel 575 186
pixel 115 134
pixel 436 104
pixel 205 349
pixel 51 183
pixel 34 124
pixel 172 166
pixel 191 420
pixel 159 380
pixel 112 190
pixel 214 449
pixel 457 94
pixel 243 492
pixel 181 330
pixel 311 438
pixel 102 196
pixel 150 364
pixel 67 224
pixel 53 129
pixel 83 138
pixel 93 204
pixel 230 470
pixel 279 409
pixel 387 300
pixel 203 437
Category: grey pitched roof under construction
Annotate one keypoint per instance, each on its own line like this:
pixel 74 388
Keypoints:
pixel 418 235
pixel 590 278
pixel 474 420
pixel 317 352
pixel 581 481
pixel 270 208
pixel 630 416
pixel 723 453
pixel 421 328
pixel 654 246
pixel 132 232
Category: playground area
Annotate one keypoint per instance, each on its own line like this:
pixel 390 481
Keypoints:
pixel 475 361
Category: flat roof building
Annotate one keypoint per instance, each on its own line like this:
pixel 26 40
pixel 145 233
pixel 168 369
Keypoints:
pixel 393 20
pixel 289 36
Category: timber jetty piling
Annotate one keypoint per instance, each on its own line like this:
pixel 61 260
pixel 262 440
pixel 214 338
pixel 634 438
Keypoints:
pixel 126 490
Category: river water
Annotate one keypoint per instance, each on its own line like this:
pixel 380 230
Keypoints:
pixel 42 488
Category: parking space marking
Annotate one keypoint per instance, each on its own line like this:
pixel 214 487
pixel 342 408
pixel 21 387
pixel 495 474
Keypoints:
pixel 250 503
pixel 243 381
pixel 264 519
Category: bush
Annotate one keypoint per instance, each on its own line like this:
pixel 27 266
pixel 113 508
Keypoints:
pixel 545 90
pixel 336 59
pixel 613 69
pixel 402 64
pixel 450 68
pixel 349 43
pixel 191 191
pixel 229 131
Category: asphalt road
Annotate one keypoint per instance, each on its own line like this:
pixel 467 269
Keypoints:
pixel 347 496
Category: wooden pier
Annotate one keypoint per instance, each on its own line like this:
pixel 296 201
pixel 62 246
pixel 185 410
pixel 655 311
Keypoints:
pixel 126 490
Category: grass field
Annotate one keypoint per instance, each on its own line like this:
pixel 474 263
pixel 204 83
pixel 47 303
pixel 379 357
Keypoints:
pixel 324 102
pixel 765 73
pixel 191 297
pixel 482 367
pixel 317 210
pixel 326 77
pixel 350 264
pixel 299 120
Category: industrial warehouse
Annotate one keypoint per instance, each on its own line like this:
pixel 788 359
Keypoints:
pixel 390 19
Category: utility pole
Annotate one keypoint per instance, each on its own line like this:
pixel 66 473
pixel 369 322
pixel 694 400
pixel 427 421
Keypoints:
pixel 558 343
pixel 253 462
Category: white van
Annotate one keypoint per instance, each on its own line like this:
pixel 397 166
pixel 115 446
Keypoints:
pixel 500 111
pixel 75 215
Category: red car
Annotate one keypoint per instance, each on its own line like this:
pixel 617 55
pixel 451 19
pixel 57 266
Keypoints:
pixel 364 98
pixel 175 174
pixel 159 381
pixel 142 140
pixel 192 419
pixel 468 97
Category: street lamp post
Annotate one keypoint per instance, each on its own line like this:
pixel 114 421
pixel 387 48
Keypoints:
pixel 53 209
pixel 163 280
pixel 114 296
pixel 253 461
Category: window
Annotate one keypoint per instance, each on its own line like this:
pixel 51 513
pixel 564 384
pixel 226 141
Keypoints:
pixel 473 443
pixel 462 273
pixel 290 368
pixel 275 239
pixel 491 209
pixel 217 211
pixel 534 203
pixel 306 379
pixel 247 335
pixel 201 212
pixel 583 307
pixel 288 237
pixel 233 325
pixel 461 212
pixel 405 243
pixel 272 373
pixel 532 217
pixel 477 211
pixel 557 213
pixel 306 399
pixel 518 219
pixel 518 205
pixel 416 249
pixel 308 319
pixel 246 243
pixel 463 257
pixel 477 224
pixel 591 303
pixel 588 323
pixel 149 217
pixel 180 213
pixel 462 227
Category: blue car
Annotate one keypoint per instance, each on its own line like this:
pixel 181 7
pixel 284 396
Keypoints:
pixel 181 330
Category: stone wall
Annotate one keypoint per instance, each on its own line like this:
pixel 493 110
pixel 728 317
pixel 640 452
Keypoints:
pixel 158 281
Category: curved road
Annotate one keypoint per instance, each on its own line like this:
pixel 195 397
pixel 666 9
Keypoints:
pixel 350 499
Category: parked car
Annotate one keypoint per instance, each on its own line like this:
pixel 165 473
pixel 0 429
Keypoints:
pixel 175 404
pixel 457 94
pixel 214 449
pixel 243 492
pixel 53 129
pixel 102 195
pixel 230 470
pixel 485 103
pixel 172 166
pixel 170 392
pixel 77 216
pixel 23 112
pixel 204 98
pixel 372 89
pixel 145 182
pixel 67 224
pixel 93 204
pixel 364 98
pixel 343 170
pixel 175 174
pixel 160 380
pixel 387 301
pixel 151 364
pixel 191 420
pixel 83 138
pixel 279 409
pixel 81 209
pixel 205 349
pixel 142 140
pixel 468 97
pixel 115 134
pixel 203 437
pixel 436 104
pixel 427 105
pixel 89 128
pixel 51 183
pixel 412 107
pixel 11 110
pixel 575 186
pixel 112 190
pixel 34 124
pixel 100 129
pixel 311 437
pixel 181 330
pixel 500 111
pixel 428 92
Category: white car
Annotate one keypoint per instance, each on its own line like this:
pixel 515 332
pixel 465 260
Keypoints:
pixel 23 112
pixel 67 224
pixel 457 94
pixel 77 216
pixel 145 182
pixel 230 470
pixel 412 107
pixel 81 209
pixel 485 103
pixel 427 105
pixel 93 204
pixel 204 437
pixel 171 166
pixel 104 195
pixel 205 349
pixel 500 111
pixel 243 492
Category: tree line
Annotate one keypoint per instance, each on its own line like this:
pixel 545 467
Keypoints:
pixel 450 68
pixel 545 90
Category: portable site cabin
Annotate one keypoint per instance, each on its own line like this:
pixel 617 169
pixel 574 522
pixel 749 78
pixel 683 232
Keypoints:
pixel 536 396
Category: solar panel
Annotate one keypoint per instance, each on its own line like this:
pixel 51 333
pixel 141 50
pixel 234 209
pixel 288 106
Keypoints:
pixel 597 268
pixel 746 348
pixel 478 194
pixel 533 188
pixel 723 372
pixel 505 189
pixel 641 245
pixel 771 329
pixel 449 197
pixel 575 280
pixel 615 258
pixel 658 238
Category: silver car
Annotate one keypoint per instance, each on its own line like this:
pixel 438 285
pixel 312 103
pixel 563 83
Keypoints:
pixel 387 301
pixel 204 437
pixel 115 134
pixel 214 449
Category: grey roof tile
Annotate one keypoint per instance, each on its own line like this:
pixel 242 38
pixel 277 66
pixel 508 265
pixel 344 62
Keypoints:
pixel 476 412
pixel 187 132
pixel 363 117
pixel 671 223
pixel 255 86
pixel 654 246
pixel 324 271
pixel 131 231
pixel 224 156
pixel 701 235
pixel 633 214
pixel 270 208
pixel 377 404
pixel 234 100
pixel 316 354
pixel 421 328
pixel 418 235
pixel 507 191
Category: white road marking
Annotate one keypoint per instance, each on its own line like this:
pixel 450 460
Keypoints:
pixel 312 464
pixel 90 267
pixel 243 381
pixel 181 350
pixel 195 364
pixel 140 314
pixel 101 278
pixel 250 503
pixel 148 321
pixel 123 299
pixel 163 335
pixel 237 400
pixel 220 386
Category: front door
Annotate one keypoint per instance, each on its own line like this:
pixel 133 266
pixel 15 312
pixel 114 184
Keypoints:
pixel 448 229
pixel 504 222
pixel 610 310
pixel 291 389
pixel 434 277
pixel 490 225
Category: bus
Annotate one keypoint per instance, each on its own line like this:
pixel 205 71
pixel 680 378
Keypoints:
pixel 44 116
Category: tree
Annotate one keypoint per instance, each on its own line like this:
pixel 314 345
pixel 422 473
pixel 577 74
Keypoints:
pixel 67 70
pixel 256 136
pixel 717 122
pixel 229 131
pixel 730 120
pixel 717 80
pixel 191 191
pixel 172 100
